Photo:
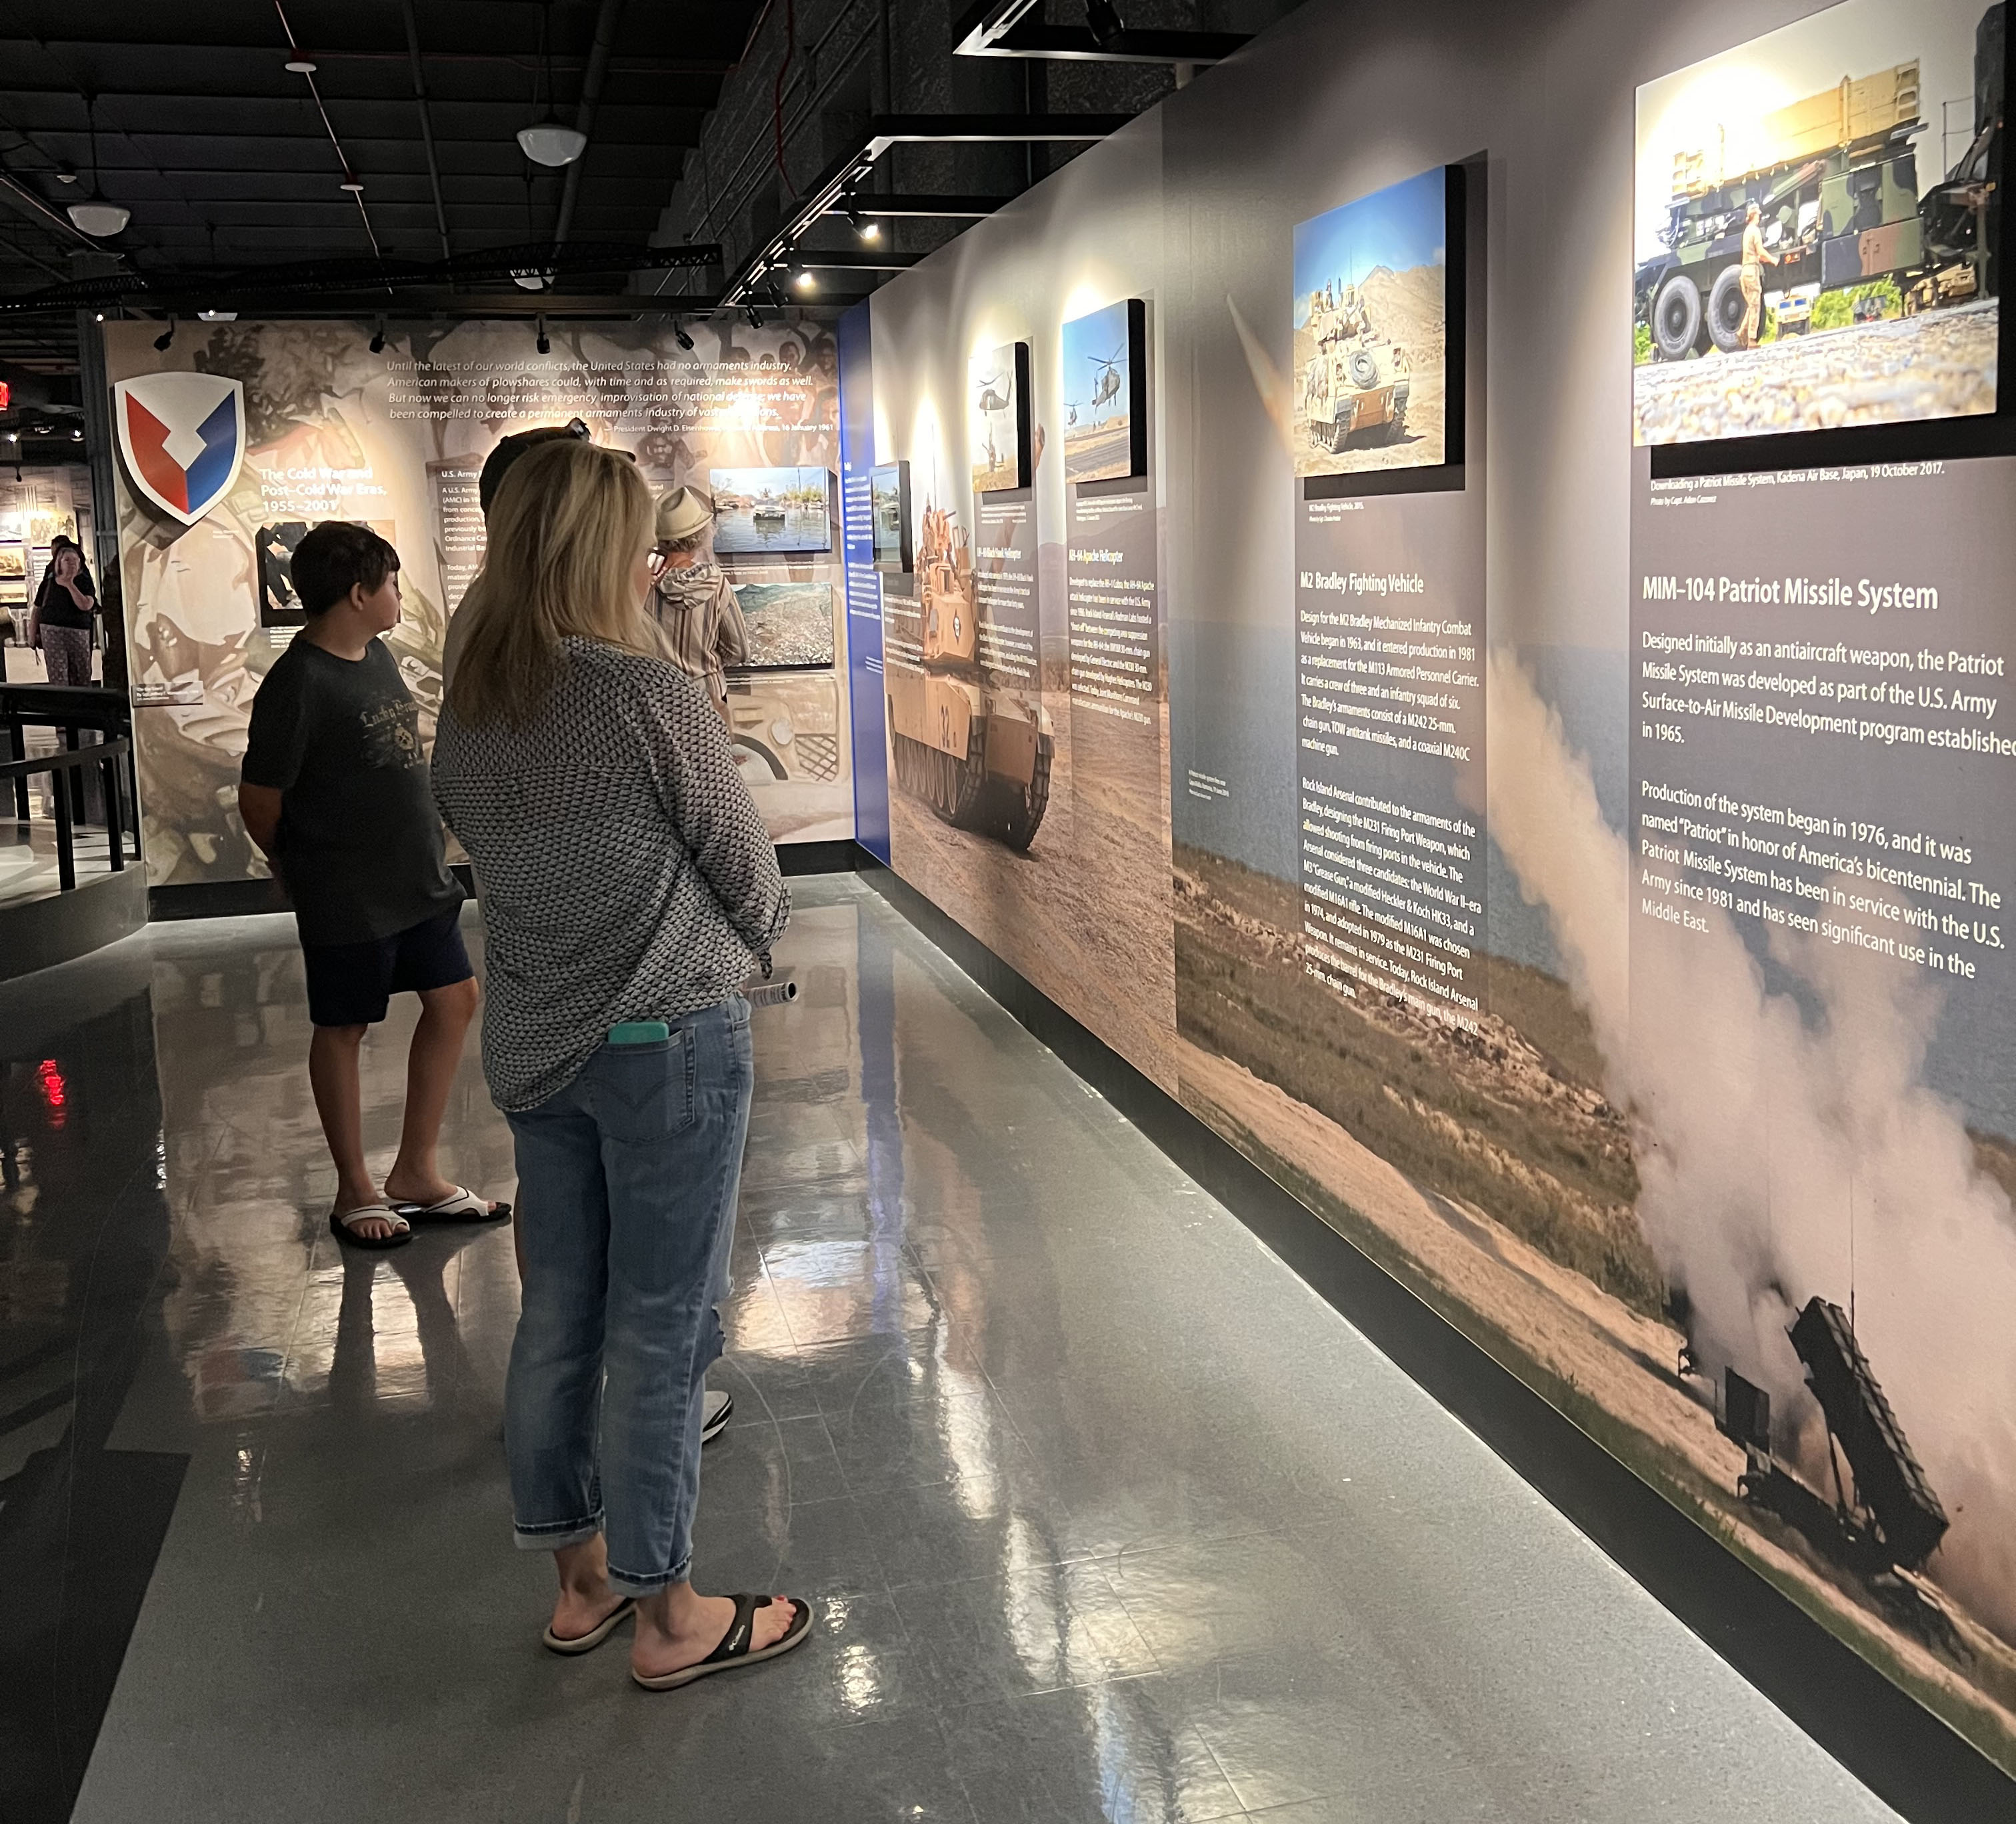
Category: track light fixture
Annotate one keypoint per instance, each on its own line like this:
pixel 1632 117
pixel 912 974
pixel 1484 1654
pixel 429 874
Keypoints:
pixel 680 337
pixel 868 229
pixel 1103 17
pixel 378 340
pixel 166 337
pixel 754 315
pixel 544 345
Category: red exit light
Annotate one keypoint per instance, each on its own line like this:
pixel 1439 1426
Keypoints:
pixel 6 395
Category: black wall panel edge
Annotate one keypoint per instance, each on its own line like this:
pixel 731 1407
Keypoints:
pixel 1911 1759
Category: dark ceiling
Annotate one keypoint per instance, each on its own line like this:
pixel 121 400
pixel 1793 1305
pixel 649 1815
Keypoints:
pixel 226 158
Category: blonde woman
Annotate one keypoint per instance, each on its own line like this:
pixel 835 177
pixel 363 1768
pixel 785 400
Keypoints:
pixel 628 887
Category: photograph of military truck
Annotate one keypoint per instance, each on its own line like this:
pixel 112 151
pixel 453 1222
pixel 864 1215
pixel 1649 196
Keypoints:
pixel 974 747
pixel 1370 331
pixel 1820 206
pixel 1105 380
pixel 997 398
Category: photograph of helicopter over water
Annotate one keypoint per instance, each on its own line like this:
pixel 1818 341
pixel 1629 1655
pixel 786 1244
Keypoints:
pixel 1370 314
pixel 1816 212
pixel 1104 390
pixel 997 392
pixel 770 510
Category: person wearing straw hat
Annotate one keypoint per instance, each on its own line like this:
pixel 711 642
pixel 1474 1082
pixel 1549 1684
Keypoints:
pixel 694 604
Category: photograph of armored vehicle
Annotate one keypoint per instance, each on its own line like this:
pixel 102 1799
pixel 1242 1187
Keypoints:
pixel 1358 385
pixel 1838 206
pixel 978 754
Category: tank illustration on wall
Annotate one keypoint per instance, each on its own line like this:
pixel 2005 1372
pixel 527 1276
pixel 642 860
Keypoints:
pixel 977 751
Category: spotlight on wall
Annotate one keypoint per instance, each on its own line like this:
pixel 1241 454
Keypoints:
pixel 545 345
pixel 680 337
pixel 166 337
pixel 1103 17
pixel 378 340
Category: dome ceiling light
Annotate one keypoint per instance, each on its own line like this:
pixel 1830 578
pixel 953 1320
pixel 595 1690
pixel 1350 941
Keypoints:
pixel 94 215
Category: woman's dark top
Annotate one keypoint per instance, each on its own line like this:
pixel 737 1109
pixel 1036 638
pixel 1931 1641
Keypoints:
pixel 55 604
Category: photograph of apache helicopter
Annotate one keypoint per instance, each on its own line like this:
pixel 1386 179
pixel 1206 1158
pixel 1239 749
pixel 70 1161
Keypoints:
pixel 1108 437
pixel 998 418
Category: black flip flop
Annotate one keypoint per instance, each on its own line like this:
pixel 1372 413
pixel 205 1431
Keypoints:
pixel 734 1648
pixel 587 1642
pixel 341 1230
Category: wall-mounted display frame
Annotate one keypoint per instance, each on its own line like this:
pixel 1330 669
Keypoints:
pixel 789 624
pixel 889 511
pixel 771 511
pixel 1104 375
pixel 997 419
pixel 1379 323
pixel 1816 217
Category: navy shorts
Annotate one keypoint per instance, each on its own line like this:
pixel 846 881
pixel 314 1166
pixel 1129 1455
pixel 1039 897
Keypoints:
pixel 350 985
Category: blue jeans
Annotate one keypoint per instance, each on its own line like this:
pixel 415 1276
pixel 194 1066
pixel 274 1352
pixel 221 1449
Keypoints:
pixel 627 1182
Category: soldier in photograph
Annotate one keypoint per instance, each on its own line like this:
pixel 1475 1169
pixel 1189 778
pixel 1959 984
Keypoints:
pixel 1756 257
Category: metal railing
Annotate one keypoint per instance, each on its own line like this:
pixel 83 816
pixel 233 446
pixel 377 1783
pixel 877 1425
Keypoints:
pixel 67 765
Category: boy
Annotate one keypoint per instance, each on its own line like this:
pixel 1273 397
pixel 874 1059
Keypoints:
pixel 335 794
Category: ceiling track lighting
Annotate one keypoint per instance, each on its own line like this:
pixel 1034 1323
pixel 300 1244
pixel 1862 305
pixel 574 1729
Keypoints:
pixel 1104 20
pixel 544 344
pixel 378 339
pixel 754 316
pixel 94 215
pixel 217 316
pixel 166 337
pixel 679 334
pixel 865 226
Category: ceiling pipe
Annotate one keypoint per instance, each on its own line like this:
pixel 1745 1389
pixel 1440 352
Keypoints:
pixel 606 23
pixel 426 126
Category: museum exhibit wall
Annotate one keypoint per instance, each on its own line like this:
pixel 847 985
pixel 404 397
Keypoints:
pixel 396 438
pixel 1584 891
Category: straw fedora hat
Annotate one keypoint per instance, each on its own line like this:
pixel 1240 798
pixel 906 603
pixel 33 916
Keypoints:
pixel 683 512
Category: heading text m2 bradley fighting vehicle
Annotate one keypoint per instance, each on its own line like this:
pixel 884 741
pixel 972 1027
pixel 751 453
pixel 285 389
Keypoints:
pixel 1837 204
pixel 977 752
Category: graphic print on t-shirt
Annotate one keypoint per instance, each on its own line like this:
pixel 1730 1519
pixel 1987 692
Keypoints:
pixel 390 729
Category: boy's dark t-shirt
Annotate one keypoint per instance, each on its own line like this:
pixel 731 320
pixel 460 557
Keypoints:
pixel 360 841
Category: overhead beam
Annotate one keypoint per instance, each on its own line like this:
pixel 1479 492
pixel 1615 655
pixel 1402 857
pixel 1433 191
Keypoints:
pixel 920 208
pixel 528 60
pixel 1017 28
pixel 426 126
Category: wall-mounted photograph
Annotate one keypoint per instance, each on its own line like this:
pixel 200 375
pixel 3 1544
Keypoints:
pixel 770 510
pixel 1105 382
pixel 789 623
pixel 889 507
pixel 1371 314
pixel 1814 232
pixel 997 387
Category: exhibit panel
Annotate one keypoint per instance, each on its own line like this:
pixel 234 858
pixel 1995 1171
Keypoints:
pixel 1584 885
pixel 1024 647
pixel 238 436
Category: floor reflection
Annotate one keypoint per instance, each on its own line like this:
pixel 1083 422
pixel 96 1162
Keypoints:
pixel 1105 1516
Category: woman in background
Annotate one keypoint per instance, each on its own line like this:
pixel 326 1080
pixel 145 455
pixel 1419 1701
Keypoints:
pixel 628 887
pixel 61 624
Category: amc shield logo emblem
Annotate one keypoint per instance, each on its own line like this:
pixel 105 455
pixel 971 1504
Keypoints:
pixel 183 437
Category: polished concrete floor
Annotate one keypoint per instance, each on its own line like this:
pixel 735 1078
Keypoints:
pixel 1107 1516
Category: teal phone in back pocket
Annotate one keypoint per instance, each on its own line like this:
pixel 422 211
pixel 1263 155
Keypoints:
pixel 639 1032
